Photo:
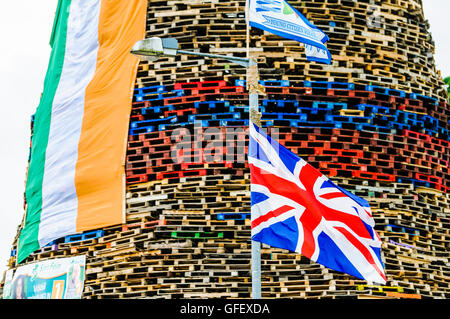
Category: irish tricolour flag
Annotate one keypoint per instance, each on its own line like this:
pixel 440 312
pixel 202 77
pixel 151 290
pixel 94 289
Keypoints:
pixel 76 176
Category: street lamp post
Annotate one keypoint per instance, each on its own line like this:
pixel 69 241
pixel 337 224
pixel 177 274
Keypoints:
pixel 153 48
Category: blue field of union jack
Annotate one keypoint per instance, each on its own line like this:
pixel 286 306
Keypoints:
pixel 295 207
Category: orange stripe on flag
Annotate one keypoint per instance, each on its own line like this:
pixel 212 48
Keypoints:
pixel 100 169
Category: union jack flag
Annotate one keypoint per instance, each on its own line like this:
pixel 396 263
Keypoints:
pixel 295 207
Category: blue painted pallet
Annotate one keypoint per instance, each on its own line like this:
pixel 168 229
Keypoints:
pixel 402 229
pixel 243 122
pixel 280 103
pixel 143 130
pixel 84 236
pixel 157 109
pixel 222 122
pixel 319 124
pixel 328 105
pixel 406 115
pixel 214 116
pixel 411 119
pixel 147 126
pixel 429 122
pixel 159 96
pixel 374 108
pixel 386 91
pixel 408 120
pixel 234 216
pixel 244 109
pixel 433 133
pixel 424 98
pixel 240 109
pixel 313 110
pixel 382 118
pixel 284 116
pixel 444 133
pixel 141 92
pixel 413 181
pixel 145 123
pixel 287 122
pixel 329 85
pixel 283 83
pixel 211 104
pixel 163 127
pixel 348 119
pixel 199 117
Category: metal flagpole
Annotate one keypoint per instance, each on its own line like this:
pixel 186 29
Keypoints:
pixel 255 117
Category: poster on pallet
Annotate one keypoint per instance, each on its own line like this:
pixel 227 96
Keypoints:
pixel 61 278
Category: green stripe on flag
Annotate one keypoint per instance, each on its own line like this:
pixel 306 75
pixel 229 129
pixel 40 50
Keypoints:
pixel 28 240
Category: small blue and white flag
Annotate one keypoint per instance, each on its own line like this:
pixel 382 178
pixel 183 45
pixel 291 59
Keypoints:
pixel 280 18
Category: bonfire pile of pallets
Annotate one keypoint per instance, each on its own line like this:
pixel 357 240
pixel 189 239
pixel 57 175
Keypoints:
pixel 376 122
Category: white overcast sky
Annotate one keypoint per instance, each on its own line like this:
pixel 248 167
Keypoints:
pixel 24 50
